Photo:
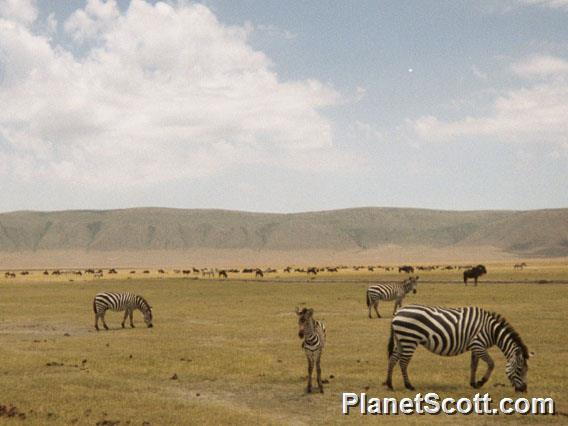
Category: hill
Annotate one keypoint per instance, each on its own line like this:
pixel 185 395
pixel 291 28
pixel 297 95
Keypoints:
pixel 515 233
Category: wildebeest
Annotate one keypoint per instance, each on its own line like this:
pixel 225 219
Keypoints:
pixel 519 266
pixel 259 274
pixel 222 274
pixel 474 273
pixel 312 271
pixel 10 275
pixel 112 271
pixel 406 268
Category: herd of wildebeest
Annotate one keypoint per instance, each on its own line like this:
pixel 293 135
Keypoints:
pixel 256 272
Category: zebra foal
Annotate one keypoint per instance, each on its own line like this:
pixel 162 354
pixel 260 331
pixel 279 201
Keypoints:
pixel 126 302
pixel 390 291
pixel 313 333
pixel 453 331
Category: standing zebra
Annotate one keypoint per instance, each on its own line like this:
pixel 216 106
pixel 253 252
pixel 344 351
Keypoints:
pixel 453 331
pixel 313 333
pixel 121 302
pixel 388 292
pixel 474 273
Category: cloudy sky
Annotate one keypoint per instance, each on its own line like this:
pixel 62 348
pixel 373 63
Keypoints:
pixel 283 106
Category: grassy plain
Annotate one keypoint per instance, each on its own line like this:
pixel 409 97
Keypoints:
pixel 234 348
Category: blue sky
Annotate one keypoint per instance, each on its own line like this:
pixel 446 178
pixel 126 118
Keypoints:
pixel 283 106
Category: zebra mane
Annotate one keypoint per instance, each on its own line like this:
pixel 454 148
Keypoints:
pixel 512 333
pixel 144 303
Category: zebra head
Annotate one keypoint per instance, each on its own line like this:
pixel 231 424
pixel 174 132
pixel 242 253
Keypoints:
pixel 517 368
pixel 148 316
pixel 304 319
pixel 413 282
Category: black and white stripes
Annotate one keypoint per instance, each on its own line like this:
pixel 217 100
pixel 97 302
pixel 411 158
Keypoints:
pixel 453 331
pixel 127 302
pixel 389 291
pixel 313 333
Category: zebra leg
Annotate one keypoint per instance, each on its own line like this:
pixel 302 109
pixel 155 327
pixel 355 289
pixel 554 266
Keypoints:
pixel 490 366
pixel 405 358
pixel 104 322
pixel 97 322
pixel 474 363
pixel 397 304
pixel 310 371
pixel 376 306
pixel 475 281
pixel 124 319
pixel 393 360
pixel 318 372
pixel 131 313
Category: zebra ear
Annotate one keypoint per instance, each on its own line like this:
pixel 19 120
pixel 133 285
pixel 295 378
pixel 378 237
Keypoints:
pixel 532 354
pixel 297 311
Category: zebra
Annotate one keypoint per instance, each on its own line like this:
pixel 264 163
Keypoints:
pixel 474 273
pixel 313 333
pixel 453 331
pixel 390 291
pixel 127 302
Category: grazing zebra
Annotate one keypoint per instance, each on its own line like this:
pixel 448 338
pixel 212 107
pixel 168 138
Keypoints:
pixel 127 302
pixel 453 331
pixel 313 333
pixel 474 273
pixel 390 291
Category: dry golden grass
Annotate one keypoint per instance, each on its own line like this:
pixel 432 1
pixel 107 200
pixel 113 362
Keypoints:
pixel 235 350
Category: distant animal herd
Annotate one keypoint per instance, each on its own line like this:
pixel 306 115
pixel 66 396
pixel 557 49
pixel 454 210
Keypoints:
pixel 443 331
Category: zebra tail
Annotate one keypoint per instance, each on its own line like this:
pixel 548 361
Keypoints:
pixel 391 343
pixel 368 299
pixel 94 306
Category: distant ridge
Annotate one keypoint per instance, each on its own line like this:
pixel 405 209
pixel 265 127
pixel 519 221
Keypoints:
pixel 521 233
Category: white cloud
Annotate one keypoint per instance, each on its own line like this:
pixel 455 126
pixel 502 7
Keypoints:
pixel 541 66
pixel 534 114
pixel 163 92
pixel 22 11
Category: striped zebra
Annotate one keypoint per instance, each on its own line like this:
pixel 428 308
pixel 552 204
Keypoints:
pixel 313 333
pixel 390 291
pixel 117 302
pixel 453 331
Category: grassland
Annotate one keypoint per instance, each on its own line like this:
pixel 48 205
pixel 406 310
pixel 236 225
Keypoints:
pixel 234 348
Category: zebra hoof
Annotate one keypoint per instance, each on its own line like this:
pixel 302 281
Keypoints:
pixel 122 325
pixel 480 384
pixel 474 385
pixel 409 387
pixel 388 385
pixel 321 390
pixel 308 390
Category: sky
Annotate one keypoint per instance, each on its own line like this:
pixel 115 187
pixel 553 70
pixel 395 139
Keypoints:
pixel 283 106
